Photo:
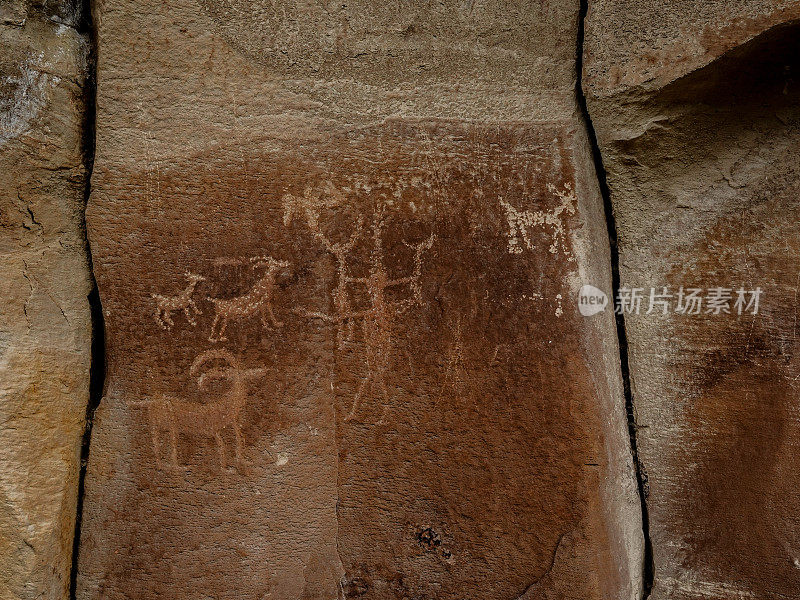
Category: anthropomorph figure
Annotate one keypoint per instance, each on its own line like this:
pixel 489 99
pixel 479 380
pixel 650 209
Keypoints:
pixel 310 205
pixel 378 318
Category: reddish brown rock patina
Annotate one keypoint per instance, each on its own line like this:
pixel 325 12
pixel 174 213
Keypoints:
pixel 345 358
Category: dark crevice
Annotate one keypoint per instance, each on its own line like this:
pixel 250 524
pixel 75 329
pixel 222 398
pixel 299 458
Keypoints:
pixel 97 369
pixel 648 568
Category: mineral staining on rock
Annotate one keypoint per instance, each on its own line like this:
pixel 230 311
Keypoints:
pixel 641 46
pixel 331 374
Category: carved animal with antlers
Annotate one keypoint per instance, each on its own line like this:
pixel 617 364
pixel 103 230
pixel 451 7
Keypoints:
pixel 521 222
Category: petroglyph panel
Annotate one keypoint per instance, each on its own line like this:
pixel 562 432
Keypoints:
pixel 362 382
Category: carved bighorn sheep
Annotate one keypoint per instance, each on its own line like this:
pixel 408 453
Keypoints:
pixel 258 299
pixel 176 416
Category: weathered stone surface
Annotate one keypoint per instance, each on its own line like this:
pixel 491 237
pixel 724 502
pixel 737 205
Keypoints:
pixel 634 45
pixel 338 250
pixel 704 179
pixel 44 282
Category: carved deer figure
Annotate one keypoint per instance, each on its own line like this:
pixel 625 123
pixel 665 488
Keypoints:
pixel 258 299
pixel 520 222
pixel 166 305
pixel 176 416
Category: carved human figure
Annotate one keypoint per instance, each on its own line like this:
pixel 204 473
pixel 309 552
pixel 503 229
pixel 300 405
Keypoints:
pixel 378 318
pixel 310 204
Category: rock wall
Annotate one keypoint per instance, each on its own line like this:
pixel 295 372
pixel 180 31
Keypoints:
pixel 698 128
pixel 338 250
pixel 45 329
pixel 346 254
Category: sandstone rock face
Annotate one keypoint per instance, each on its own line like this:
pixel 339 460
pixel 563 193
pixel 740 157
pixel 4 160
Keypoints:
pixel 702 160
pixel 635 45
pixel 45 330
pixel 338 249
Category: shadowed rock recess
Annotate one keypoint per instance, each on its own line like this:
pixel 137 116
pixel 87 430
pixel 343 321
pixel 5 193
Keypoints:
pixel 697 113
pixel 45 325
pixel 338 248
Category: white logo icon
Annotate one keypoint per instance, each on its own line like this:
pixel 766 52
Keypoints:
pixel 591 300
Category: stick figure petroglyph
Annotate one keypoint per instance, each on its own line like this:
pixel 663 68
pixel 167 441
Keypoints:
pixel 521 221
pixel 258 299
pixel 175 416
pixel 310 204
pixel 377 320
pixel 166 305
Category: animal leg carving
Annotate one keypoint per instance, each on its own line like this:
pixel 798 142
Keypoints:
pixel 212 336
pixel 221 449
pixel 160 318
pixel 173 440
pixel 221 335
pixel 266 312
pixel 237 430
pixel 386 400
pixel 361 389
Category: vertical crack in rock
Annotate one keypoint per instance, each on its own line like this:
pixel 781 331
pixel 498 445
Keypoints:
pixel 97 369
pixel 641 472
pixel 340 585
